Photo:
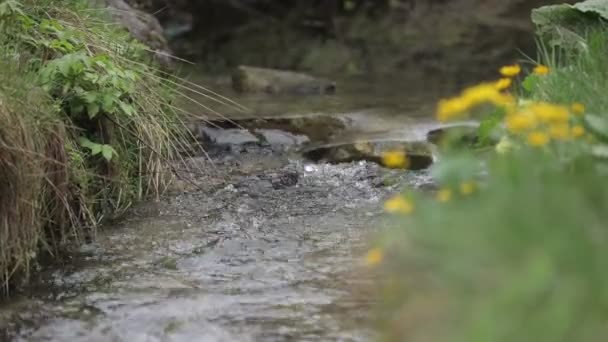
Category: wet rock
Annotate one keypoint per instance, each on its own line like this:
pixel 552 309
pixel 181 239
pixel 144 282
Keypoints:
pixel 284 179
pixel 230 136
pixel 275 137
pixel 317 127
pixel 143 26
pixel 248 79
pixel 460 134
pixel 420 154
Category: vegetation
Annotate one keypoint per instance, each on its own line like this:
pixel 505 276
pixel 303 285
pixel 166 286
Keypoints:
pixel 513 246
pixel 86 126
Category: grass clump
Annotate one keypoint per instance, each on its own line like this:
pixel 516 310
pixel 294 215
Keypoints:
pixel 513 247
pixel 86 126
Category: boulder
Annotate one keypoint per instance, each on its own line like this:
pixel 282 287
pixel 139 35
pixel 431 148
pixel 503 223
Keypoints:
pixel 144 27
pixel 247 79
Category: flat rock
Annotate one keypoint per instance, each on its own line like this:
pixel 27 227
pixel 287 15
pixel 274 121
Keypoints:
pixel 247 79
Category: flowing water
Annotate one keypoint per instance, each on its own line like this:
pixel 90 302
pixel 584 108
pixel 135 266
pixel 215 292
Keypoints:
pixel 267 247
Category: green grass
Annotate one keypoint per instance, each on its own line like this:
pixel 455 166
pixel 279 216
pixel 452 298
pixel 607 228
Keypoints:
pixel 87 126
pixel 524 257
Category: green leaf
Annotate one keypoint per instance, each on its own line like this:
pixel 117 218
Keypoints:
pixel 487 128
pixel 597 125
pixel 107 152
pixel 599 7
pixel 107 102
pixel 96 149
pixel 126 108
pixel 64 66
pixel 530 82
pixel 561 25
pixel 89 97
pixel 84 142
pixel 93 110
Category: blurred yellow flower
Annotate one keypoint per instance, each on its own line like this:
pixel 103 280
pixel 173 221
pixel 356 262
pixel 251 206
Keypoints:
pixel 398 205
pixel 480 93
pixel 467 188
pixel 395 159
pixel 578 131
pixel 449 109
pixel 503 83
pixel 541 69
pixel 517 123
pixel 374 257
pixel 547 112
pixel 510 70
pixel 560 131
pixel 444 195
pixel 578 108
pixel 538 139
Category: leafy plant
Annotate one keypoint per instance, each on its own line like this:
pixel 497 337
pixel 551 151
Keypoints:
pixel 521 252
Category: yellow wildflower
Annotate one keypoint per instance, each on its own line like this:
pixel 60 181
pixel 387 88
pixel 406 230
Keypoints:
pixel 560 131
pixel 444 195
pixel 503 83
pixel 578 108
pixel 467 188
pixel 520 122
pixel 547 112
pixel 510 70
pixel 538 139
pixel 398 205
pixel 374 257
pixel 484 92
pixel 451 108
pixel 578 131
pixel 395 159
pixel 541 69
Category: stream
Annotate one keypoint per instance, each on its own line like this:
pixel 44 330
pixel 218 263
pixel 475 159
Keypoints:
pixel 268 246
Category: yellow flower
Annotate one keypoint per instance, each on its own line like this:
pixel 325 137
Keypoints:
pixel 538 139
pixel 480 93
pixel 578 131
pixel 560 131
pixel 395 159
pixel 547 112
pixel 541 69
pixel 451 108
pixel 374 257
pixel 510 70
pixel 467 188
pixel 503 83
pixel 444 195
pixel 398 205
pixel 455 107
pixel 520 122
pixel 578 108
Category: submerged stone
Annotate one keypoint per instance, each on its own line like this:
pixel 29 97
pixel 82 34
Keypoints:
pixel 463 134
pixel 419 154
pixel 248 79
pixel 281 130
